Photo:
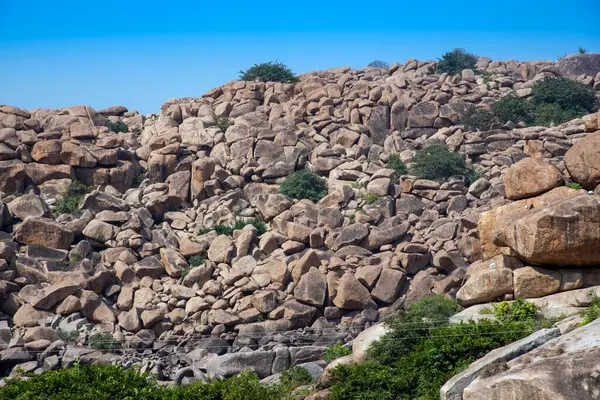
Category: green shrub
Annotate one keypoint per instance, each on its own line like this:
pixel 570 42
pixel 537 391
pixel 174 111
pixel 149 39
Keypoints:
pixel 513 108
pixel 592 312
pixel 518 310
pixel 437 162
pixel 477 119
pixel 94 382
pixel 69 337
pixel 70 201
pixel 269 72
pixel 260 226
pixel 111 382
pixel 336 351
pixel 195 261
pixel 103 341
pixel 304 184
pixel 395 162
pixel 422 351
pixel 118 126
pixel 378 64
pixel 371 198
pixel 453 62
pixel 581 50
pixel 547 114
pixel 296 376
pixel 574 185
pixel 570 95
pixel 223 123
pixel 240 223
pixel 137 181
pixel 410 325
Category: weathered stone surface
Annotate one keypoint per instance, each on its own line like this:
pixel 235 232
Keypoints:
pixel 453 389
pixel 485 285
pixel 562 368
pixel 173 262
pixel 44 231
pixel 29 206
pixel 12 176
pixel 566 232
pixel 49 296
pixel 531 177
pixel 583 161
pixel 232 364
pixel 535 282
pixel 388 285
pixel 352 295
pixel 312 288
pixel 221 249
pixel 487 222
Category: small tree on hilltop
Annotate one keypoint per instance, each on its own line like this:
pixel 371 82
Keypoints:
pixel 269 72
pixel 453 62
pixel 378 64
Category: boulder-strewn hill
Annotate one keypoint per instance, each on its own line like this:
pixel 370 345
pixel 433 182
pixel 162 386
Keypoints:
pixel 148 257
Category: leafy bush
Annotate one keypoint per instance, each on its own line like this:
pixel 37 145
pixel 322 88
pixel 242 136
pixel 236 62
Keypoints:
pixel 568 94
pixel 378 64
pixel 512 108
pixel 103 341
pixel 336 351
pixel 304 184
pixel 518 310
pixel 195 261
pixel 477 119
pixel 592 312
pixel 422 351
pixel 71 198
pixel 437 162
pixel 69 337
pixel 553 101
pixel 269 72
pixel 260 226
pixel 574 185
pixel 137 181
pixel 296 376
pixel 240 223
pixel 453 62
pixel 118 126
pixel 547 114
pixel 395 162
pixel 94 382
pixel 371 198
pixel 581 50
pixel 410 325
pixel 223 123
pixel 111 382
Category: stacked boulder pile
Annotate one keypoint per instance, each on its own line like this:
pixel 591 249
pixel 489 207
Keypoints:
pixel 141 264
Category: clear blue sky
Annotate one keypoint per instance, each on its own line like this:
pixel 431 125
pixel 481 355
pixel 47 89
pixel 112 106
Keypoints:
pixel 141 53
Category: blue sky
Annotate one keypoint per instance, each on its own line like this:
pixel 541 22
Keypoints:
pixel 142 53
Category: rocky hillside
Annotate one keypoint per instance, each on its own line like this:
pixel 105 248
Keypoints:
pixel 144 259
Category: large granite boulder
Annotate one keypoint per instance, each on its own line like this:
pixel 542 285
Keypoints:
pixel 565 232
pixel 582 161
pixel 530 177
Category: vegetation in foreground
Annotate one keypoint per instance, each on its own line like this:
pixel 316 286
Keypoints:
pixel 419 354
pixel 111 382
pixel 423 350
